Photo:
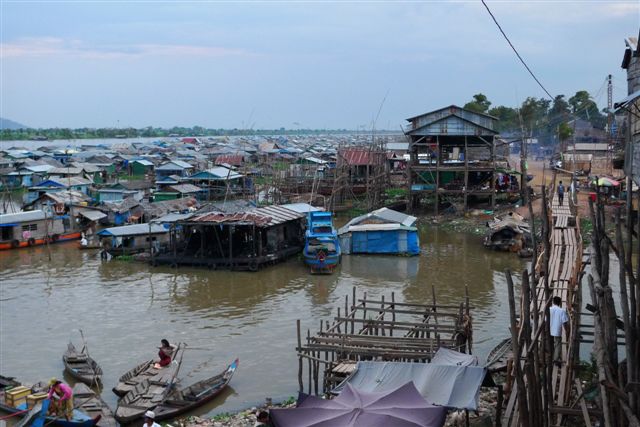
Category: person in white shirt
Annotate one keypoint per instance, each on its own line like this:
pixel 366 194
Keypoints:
pixel 558 319
pixel 149 418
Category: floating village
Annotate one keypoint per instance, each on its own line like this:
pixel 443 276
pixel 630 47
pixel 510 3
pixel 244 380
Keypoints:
pixel 220 207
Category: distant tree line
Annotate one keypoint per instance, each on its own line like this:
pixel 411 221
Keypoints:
pixel 542 118
pixel 149 132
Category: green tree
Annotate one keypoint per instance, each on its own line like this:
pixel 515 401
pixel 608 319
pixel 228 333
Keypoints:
pixel 507 118
pixel 582 106
pixel 479 104
pixel 560 110
pixel 564 131
pixel 534 113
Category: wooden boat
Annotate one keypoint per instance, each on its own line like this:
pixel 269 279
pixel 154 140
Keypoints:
pixel 174 401
pixel 79 418
pixel 195 395
pixel 322 246
pixel 89 402
pixel 498 357
pixel 160 377
pixel 80 366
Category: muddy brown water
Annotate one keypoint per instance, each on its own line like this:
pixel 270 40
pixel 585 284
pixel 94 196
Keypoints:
pixel 125 308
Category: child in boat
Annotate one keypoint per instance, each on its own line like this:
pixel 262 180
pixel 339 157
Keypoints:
pixel 165 354
pixel 64 402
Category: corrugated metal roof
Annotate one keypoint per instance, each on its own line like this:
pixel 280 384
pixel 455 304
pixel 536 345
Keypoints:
pixel 231 159
pixel 171 165
pixel 355 157
pixel 22 217
pixel 262 217
pixel 133 230
pixel 186 188
pixel 301 207
pixel 172 217
pixel 585 146
pixel 220 173
pixel 92 214
pixel 143 162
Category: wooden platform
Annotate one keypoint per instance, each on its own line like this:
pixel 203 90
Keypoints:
pixel 565 266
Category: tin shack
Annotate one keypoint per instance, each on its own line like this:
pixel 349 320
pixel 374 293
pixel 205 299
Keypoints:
pixel 243 240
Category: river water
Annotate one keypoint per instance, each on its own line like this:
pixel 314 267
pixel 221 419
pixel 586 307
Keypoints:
pixel 125 308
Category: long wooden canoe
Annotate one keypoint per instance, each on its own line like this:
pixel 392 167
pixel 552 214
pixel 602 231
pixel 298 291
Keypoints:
pixel 89 402
pixel 146 371
pixel 195 395
pixel 80 366
pixel 168 402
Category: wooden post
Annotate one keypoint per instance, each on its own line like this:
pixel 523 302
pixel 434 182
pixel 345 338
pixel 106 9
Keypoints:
pixel 393 313
pixel 624 303
pixel 353 307
pixel 299 350
pixel 466 173
pixel 522 391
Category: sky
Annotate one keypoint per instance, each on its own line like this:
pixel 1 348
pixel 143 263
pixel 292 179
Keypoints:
pixel 296 64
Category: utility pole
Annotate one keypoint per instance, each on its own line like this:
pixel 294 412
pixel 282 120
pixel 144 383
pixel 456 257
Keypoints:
pixel 609 123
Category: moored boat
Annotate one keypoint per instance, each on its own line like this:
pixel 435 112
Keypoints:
pixel 161 377
pixel 176 401
pixel 14 400
pixel 81 366
pixel 322 248
pixel 33 228
pixel 89 402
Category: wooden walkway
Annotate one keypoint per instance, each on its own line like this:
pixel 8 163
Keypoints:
pixel 565 266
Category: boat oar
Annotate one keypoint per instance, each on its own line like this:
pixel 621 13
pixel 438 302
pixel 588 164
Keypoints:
pixel 166 392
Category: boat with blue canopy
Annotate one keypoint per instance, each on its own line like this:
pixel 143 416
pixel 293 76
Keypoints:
pixel 322 248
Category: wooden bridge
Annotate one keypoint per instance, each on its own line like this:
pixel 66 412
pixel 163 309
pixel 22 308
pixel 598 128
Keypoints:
pixel 543 386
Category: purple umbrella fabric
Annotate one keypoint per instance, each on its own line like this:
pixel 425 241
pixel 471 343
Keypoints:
pixel 402 407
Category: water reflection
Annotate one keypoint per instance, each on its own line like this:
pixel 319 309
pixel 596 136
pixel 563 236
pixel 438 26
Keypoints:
pixel 125 308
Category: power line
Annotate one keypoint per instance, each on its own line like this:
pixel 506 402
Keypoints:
pixel 516 52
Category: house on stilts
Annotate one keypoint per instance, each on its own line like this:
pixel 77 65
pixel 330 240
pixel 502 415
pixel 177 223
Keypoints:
pixel 452 158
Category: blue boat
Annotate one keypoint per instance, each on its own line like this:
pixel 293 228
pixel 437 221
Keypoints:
pixel 321 247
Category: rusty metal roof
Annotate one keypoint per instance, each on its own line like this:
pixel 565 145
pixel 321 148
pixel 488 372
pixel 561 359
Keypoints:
pixel 355 157
pixel 230 159
pixel 262 217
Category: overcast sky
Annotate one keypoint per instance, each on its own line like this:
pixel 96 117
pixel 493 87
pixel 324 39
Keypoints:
pixel 295 64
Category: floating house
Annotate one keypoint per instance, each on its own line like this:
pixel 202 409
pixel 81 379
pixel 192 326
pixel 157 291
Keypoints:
pixel 246 240
pixel 132 239
pixel 34 228
pixel 383 231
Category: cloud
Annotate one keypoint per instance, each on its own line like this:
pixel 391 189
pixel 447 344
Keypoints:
pixel 38 47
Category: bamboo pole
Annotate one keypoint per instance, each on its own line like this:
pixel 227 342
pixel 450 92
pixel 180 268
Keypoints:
pixel 299 349
pixel 522 392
